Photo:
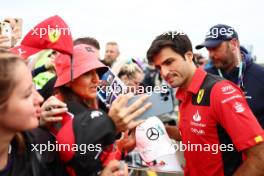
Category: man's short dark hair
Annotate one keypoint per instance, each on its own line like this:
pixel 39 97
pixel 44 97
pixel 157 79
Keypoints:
pixel 178 42
pixel 88 41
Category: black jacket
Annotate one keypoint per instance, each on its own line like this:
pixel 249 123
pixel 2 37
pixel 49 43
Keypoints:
pixel 30 162
pixel 253 81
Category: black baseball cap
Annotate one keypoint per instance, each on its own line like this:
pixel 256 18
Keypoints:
pixel 216 35
pixel 91 129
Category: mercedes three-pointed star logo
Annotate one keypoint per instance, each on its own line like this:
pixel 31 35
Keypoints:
pixel 152 134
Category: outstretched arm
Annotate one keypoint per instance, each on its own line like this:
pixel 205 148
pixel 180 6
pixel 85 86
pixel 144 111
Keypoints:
pixel 254 163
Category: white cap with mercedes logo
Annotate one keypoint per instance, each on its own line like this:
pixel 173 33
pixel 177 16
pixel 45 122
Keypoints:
pixel 155 146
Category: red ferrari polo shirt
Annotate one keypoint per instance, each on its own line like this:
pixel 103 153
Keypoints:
pixel 216 124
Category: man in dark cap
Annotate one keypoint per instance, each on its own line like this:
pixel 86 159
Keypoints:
pixel 233 62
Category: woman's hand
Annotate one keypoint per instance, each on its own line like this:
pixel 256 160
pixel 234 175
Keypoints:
pixel 123 115
pixel 51 110
pixel 3 40
pixel 115 168
pixel 16 30
pixel 128 141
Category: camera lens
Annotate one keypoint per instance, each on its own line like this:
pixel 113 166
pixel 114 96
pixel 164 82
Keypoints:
pixel 166 98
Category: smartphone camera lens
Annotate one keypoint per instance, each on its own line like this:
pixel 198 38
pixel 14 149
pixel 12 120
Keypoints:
pixel 165 93
pixel 166 98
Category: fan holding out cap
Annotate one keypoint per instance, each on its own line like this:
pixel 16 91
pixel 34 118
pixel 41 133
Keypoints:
pixel 155 147
pixel 89 125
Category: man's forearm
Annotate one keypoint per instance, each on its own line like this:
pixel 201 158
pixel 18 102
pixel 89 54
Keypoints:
pixel 247 168
pixel 173 132
pixel 254 164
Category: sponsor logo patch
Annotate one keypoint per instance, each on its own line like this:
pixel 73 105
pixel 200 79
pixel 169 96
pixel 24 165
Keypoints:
pixel 200 96
pixel 228 90
pixel 239 107
pixel 197 117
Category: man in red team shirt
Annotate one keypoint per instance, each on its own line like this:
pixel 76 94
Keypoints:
pixel 213 113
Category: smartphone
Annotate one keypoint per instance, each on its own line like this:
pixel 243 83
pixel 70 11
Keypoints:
pixel 162 103
pixel 6 30
pixel 110 87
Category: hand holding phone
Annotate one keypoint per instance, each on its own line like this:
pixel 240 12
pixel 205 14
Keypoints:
pixel 16 31
pixel 123 115
pixel 6 35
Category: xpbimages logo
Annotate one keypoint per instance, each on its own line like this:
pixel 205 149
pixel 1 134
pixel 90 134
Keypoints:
pixel 174 33
pixel 136 90
pixel 81 148
pixel 53 32
pixel 212 148
pixel 216 32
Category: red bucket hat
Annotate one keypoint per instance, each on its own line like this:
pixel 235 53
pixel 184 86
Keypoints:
pixel 84 60
pixel 52 33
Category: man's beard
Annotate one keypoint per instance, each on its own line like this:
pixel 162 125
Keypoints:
pixel 108 62
pixel 225 63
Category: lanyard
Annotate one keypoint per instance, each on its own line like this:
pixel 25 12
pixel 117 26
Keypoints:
pixel 240 76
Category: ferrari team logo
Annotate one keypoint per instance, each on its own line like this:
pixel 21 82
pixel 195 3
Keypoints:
pixel 258 139
pixel 200 96
pixel 54 35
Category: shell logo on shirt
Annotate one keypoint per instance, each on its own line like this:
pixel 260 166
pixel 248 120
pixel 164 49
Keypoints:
pixel 197 117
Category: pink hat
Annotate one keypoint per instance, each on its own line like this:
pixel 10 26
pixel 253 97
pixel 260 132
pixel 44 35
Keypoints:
pixel 84 60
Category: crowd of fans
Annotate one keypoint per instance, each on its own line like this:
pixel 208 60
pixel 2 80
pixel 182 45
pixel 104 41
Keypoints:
pixel 48 95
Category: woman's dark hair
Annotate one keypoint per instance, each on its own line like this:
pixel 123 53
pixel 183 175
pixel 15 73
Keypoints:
pixel 69 95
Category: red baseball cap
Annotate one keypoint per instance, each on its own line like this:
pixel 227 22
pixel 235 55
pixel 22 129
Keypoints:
pixel 84 60
pixel 52 33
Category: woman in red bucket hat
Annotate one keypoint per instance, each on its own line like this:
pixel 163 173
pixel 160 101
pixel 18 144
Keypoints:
pixel 90 126
pixel 21 153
